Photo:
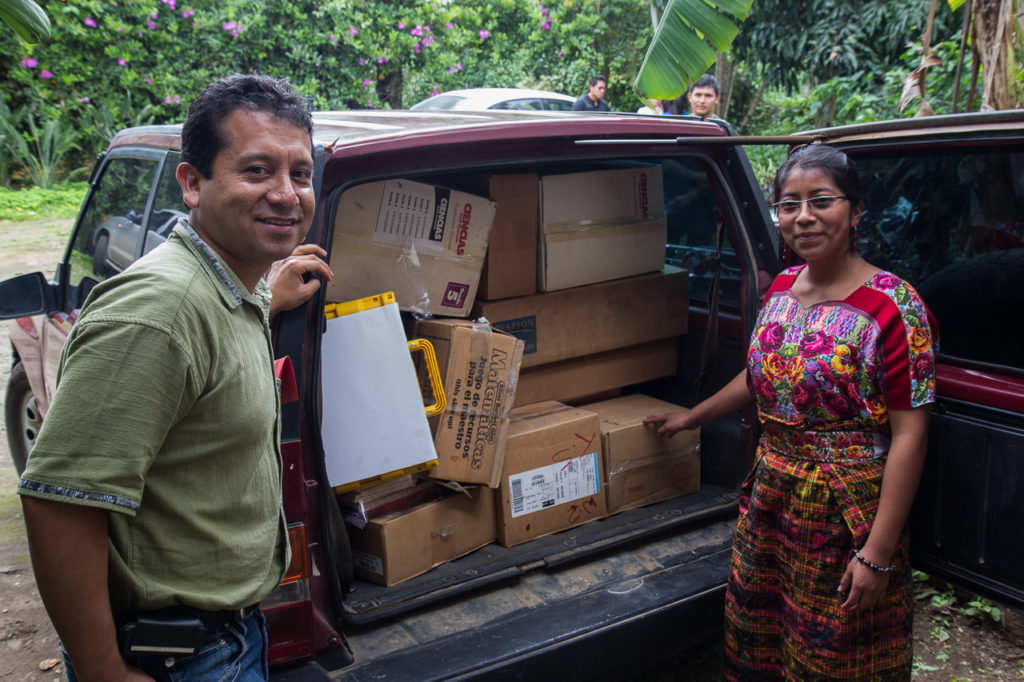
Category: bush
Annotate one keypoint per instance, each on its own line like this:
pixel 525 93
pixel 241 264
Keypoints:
pixel 62 201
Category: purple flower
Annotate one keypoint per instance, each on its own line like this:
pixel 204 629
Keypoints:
pixel 370 104
pixel 545 26
pixel 451 69
pixel 149 79
pixel 401 25
pixel 484 34
pixel 418 31
pixel 230 26
pixel 167 100
pixel 459 67
pixel 559 53
pixel 121 61
pixel 543 10
pixel 366 82
pixel 380 60
pixel 170 4
pixel 362 62
pixel 90 22
pixel 29 63
pixel 45 74
pixel 418 50
pixel 352 31
pixel 152 26
pixel 152 15
pixel 177 100
pixel 82 100
pixel 449 24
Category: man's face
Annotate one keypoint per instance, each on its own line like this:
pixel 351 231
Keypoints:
pixel 703 100
pixel 597 91
pixel 258 203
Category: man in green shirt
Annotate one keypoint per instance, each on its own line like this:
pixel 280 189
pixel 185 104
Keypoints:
pixel 152 496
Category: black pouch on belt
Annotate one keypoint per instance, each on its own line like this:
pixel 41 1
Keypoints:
pixel 149 635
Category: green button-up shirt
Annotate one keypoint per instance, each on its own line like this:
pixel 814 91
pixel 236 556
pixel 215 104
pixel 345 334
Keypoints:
pixel 166 412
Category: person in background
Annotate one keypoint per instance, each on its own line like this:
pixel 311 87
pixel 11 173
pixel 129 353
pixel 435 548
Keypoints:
pixel 841 367
pixel 654 108
pixel 593 99
pixel 703 96
pixel 152 497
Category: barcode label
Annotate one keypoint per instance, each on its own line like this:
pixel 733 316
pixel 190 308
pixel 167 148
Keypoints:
pixel 517 496
pixel 554 484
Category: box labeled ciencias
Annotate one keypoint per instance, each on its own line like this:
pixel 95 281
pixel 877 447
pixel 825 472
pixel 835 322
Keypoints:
pixel 641 466
pixel 424 242
pixel 600 225
pixel 553 472
pixel 404 544
pixel 479 368
pixel 572 323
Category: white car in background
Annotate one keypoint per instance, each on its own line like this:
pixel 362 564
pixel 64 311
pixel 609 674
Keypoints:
pixel 478 99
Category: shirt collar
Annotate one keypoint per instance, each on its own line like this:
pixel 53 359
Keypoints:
pixel 230 287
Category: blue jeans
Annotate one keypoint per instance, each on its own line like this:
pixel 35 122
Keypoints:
pixel 235 652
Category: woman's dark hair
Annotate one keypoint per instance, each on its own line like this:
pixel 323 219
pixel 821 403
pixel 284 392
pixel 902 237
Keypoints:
pixel 829 160
pixel 201 138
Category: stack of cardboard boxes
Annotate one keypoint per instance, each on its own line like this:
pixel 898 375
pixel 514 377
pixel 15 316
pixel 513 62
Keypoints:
pixel 563 277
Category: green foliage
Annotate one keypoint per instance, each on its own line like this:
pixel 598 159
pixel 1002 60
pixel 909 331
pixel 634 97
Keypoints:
pixel 685 44
pixel 42 150
pixel 62 201
pixel 27 19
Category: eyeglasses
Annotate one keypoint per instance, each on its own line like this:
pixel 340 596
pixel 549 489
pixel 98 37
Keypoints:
pixel 790 207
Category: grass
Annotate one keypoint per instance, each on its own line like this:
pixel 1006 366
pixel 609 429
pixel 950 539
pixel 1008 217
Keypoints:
pixel 32 203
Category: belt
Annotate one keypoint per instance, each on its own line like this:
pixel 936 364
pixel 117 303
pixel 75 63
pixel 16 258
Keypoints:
pixel 211 620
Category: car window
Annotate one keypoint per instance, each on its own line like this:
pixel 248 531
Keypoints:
pixel 953 225
pixel 168 205
pixel 693 217
pixel 111 223
pixel 558 105
pixel 439 102
pixel 528 104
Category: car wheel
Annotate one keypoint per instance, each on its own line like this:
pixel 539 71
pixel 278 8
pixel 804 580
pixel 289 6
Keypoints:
pixel 99 255
pixel 21 417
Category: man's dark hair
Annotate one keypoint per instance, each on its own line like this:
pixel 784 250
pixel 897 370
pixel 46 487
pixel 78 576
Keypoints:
pixel 594 80
pixel 707 80
pixel 201 138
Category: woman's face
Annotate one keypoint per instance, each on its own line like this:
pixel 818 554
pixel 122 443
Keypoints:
pixel 815 233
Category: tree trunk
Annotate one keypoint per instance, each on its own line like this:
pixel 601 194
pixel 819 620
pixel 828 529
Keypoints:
pixel 754 104
pixel 993 38
pixel 725 71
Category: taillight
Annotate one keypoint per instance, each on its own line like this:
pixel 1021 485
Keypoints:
pixel 288 609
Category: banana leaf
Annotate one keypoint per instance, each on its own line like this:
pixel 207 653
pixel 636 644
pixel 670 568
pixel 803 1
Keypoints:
pixel 685 44
pixel 27 19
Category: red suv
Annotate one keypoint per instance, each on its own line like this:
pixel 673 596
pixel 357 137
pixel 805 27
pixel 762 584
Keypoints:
pixel 945 210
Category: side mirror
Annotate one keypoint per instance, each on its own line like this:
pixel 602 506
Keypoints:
pixel 24 295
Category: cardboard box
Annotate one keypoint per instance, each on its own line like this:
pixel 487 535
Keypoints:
pixel 643 467
pixel 553 472
pixel 601 317
pixel 425 243
pixel 511 265
pixel 480 369
pixel 399 546
pixel 594 374
pixel 600 225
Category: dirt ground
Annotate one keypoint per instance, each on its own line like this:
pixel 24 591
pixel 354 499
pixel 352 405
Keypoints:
pixel 949 643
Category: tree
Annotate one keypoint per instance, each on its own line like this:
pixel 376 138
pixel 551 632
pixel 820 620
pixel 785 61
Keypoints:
pixel 680 51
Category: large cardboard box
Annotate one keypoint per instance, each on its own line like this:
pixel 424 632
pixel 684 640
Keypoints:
pixel 402 545
pixel 425 243
pixel 595 374
pixel 641 466
pixel 600 225
pixel 601 317
pixel 553 472
pixel 479 369
pixel 511 265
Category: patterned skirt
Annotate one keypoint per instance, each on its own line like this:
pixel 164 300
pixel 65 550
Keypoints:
pixel 808 503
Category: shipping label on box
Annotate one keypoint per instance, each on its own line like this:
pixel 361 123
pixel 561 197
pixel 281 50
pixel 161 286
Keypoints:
pixel 643 467
pixel 572 323
pixel 600 225
pixel 405 544
pixel 425 243
pixel 553 472
pixel 511 265
pixel 480 370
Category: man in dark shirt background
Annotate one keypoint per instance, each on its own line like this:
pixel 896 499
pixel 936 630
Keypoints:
pixel 593 99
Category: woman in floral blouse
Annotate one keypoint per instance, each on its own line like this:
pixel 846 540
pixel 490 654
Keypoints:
pixel 841 365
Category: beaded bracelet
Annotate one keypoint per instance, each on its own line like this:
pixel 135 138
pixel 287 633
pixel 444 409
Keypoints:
pixel 870 564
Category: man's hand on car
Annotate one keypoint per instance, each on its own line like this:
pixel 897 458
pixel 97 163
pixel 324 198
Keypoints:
pixel 293 280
